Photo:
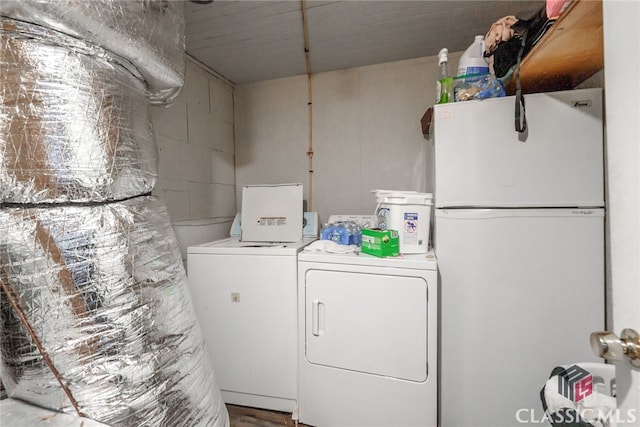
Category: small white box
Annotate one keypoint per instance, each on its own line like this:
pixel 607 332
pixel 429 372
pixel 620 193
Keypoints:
pixel 272 213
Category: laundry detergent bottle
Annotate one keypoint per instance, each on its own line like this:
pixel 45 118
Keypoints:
pixel 472 63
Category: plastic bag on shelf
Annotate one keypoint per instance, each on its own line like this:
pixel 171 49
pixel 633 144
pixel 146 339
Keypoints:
pixel 480 87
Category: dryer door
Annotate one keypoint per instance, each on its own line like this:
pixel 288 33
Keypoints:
pixel 368 323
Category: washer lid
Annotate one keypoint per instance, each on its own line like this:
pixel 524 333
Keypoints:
pixel 235 246
pixel 410 261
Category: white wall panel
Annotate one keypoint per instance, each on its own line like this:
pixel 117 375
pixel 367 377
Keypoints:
pixel 366 132
pixel 271 124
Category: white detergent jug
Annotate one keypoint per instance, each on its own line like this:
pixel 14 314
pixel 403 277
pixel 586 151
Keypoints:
pixel 409 213
pixel 472 61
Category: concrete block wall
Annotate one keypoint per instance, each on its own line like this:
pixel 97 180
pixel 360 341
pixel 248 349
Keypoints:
pixel 196 171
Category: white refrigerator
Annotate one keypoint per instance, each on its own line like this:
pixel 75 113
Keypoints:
pixel 519 238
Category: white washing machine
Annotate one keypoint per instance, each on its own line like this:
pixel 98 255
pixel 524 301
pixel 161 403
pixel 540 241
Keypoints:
pixel 245 298
pixel 367 340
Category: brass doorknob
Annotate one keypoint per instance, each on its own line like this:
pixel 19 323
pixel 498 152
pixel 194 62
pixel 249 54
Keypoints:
pixel 608 346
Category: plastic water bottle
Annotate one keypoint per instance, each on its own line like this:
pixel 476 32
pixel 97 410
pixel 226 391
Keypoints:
pixel 472 62
pixel 492 89
pixel 342 232
pixel 444 86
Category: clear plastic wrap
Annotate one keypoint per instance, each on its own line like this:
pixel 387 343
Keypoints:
pixel 149 33
pixel 75 123
pixel 103 290
pixel 479 86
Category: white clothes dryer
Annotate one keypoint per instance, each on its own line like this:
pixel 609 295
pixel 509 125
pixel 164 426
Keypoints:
pixel 367 340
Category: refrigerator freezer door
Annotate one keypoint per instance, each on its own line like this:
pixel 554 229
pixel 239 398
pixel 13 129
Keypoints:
pixel 521 290
pixel 481 161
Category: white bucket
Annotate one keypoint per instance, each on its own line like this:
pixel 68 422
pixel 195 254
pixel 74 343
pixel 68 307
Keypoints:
pixel 409 213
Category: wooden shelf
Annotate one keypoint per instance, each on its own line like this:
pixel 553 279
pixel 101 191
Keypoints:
pixel 569 53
